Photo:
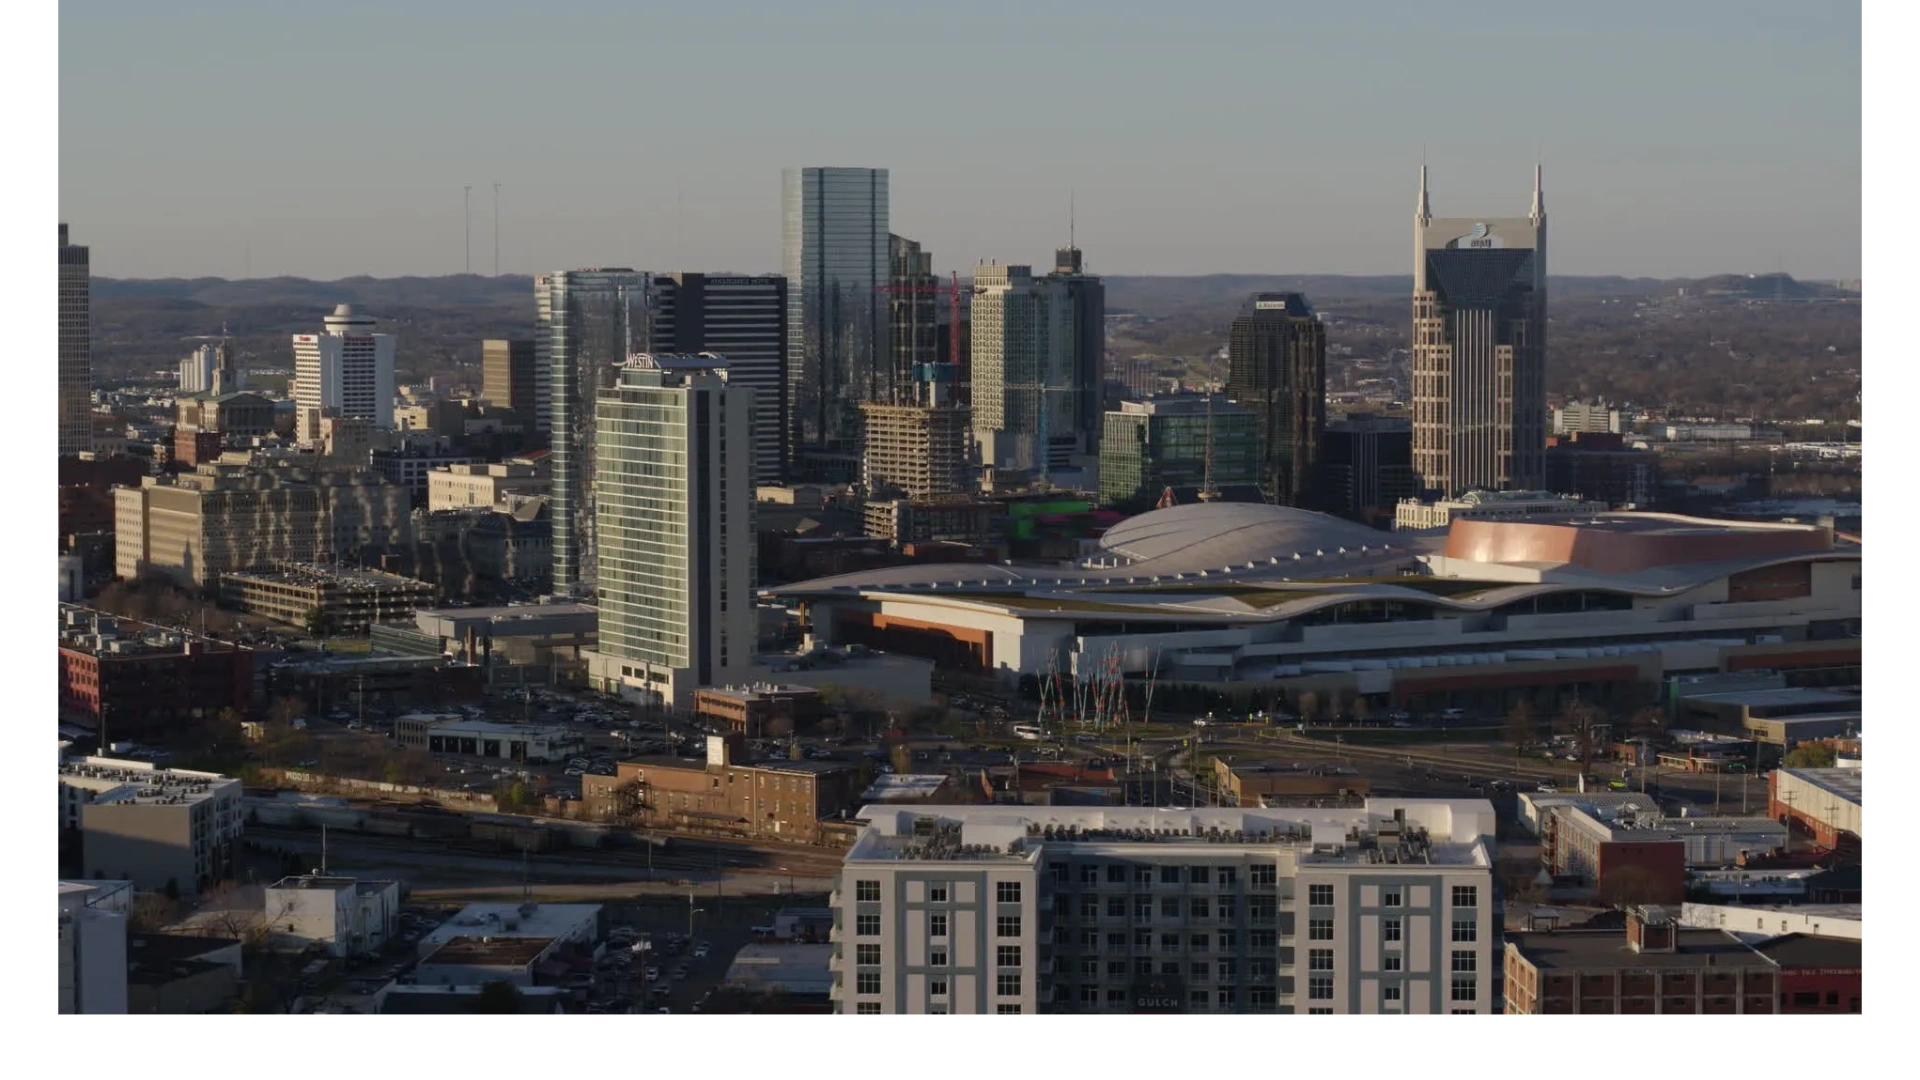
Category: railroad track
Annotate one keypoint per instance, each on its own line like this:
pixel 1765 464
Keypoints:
pixel 664 860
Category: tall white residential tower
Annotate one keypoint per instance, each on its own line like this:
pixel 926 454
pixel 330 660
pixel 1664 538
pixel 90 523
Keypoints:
pixel 674 508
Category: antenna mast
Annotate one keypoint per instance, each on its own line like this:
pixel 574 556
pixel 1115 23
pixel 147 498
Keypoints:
pixel 466 222
pixel 1207 494
pixel 496 228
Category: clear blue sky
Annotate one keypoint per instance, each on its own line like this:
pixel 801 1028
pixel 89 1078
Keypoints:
pixel 332 139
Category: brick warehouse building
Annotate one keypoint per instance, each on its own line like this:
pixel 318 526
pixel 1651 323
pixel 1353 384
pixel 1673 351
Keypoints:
pixel 1817 974
pixel 146 685
pixel 1658 968
pixel 796 801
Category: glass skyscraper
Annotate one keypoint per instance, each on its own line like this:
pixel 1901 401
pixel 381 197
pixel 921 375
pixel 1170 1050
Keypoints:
pixel 591 322
pixel 75 372
pixel 837 260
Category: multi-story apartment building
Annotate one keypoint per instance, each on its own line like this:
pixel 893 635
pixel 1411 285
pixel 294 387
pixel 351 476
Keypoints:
pixel 511 378
pixel 1479 349
pixel 837 257
pixel 1029 348
pixel 345 371
pixel 1277 369
pixel 1184 441
pixel 590 322
pixel 162 829
pixel 76 348
pixel 745 320
pixel 195 526
pixel 1002 909
pixel 674 487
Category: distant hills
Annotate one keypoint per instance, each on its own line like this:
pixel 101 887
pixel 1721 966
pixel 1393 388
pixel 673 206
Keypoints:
pixel 1145 294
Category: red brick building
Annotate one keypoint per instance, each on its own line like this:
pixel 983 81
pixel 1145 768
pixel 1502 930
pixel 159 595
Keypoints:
pixel 1817 974
pixel 149 686
pixel 1657 968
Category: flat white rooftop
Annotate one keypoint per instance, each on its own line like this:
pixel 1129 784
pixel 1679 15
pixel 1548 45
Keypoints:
pixel 513 920
pixel 1840 783
pixel 897 786
pixel 795 969
pixel 112 780
pixel 1456 831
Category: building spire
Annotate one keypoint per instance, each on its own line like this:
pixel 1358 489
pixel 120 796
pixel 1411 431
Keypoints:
pixel 1539 201
pixel 1423 212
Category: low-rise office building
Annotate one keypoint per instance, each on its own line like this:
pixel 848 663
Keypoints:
pixel 344 916
pixel 163 829
pixel 795 801
pixel 476 961
pixel 999 909
pixel 1759 922
pixel 572 924
pixel 451 734
pixel 760 710
pixel 377 681
pixel 1818 975
pixel 1659 967
pixel 397 999
pixel 514 644
pixel 464 486
pixel 1631 855
pixel 182 975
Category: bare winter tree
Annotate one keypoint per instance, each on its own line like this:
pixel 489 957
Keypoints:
pixel 1521 729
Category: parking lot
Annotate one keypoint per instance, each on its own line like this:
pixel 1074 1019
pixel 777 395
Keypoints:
pixel 689 969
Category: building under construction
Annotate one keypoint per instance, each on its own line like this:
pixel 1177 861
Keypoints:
pixel 915 451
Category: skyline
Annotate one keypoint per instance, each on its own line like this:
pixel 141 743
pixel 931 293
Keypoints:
pixel 1733 115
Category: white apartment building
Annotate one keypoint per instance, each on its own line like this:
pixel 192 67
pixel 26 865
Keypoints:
pixel 674 516
pixel 93 951
pixel 151 825
pixel 347 369
pixel 346 916
pixel 463 486
pixel 1030 909
pixel 1488 506
pixel 1583 416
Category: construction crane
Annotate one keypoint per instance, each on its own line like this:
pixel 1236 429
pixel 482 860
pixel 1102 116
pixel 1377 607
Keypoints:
pixel 1207 492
